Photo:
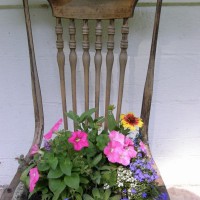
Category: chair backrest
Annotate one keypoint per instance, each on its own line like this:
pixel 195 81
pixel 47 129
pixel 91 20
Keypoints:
pixel 92 10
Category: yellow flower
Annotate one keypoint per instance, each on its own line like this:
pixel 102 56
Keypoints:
pixel 130 121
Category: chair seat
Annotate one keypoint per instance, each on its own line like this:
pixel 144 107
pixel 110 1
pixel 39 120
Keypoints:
pixel 90 9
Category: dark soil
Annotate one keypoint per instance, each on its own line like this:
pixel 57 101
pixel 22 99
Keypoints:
pixel 36 196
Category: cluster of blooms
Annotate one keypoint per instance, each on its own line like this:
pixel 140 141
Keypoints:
pixel 125 179
pixel 143 170
pixel 120 149
pixel 134 170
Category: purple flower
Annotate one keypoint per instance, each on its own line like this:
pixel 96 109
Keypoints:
pixel 47 145
pixel 133 191
pixel 143 170
pixel 162 196
pixel 124 198
pixel 144 195
pixel 124 191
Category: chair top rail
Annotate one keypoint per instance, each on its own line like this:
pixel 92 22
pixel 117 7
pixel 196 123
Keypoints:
pixel 90 9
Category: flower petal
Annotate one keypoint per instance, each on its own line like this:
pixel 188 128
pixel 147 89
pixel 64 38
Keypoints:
pixel 34 177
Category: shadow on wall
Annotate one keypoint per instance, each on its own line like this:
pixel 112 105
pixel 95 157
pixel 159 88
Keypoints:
pixel 182 194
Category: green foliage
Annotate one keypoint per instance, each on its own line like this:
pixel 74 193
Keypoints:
pixel 78 175
pixel 100 194
pixel 72 181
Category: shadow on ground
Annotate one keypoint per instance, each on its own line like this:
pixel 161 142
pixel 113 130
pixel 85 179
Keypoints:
pixel 182 194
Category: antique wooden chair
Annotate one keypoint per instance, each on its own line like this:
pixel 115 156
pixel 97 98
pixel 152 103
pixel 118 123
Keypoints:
pixel 90 10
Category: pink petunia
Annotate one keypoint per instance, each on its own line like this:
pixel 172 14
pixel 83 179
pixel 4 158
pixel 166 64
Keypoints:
pixel 34 177
pixel 34 149
pixel 116 136
pixel 55 128
pixel 142 146
pixel 79 140
pixel 128 142
pixel 129 147
pixel 131 151
pixel 112 151
pixel 120 149
pixel 124 158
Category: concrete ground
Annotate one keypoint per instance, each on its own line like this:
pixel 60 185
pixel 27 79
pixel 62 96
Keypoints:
pixel 175 192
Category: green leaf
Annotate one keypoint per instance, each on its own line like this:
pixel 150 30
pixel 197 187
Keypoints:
pixel 96 177
pixel 66 166
pixel 111 121
pixel 87 197
pixel 47 196
pixel 72 181
pixel 96 160
pixel 56 186
pixel 43 166
pixel 107 194
pixel 73 116
pixel 57 173
pixel 102 141
pixel 80 190
pixel 92 135
pixel 91 150
pixel 84 180
pixel 78 196
pixel 110 177
pixel 116 197
pixel 95 193
pixel 25 173
pixel 106 167
pixel 87 114
pixel 99 120
pixel 53 163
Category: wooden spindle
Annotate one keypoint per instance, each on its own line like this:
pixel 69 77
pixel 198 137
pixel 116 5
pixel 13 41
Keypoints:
pixel 122 62
pixel 73 61
pixel 61 66
pixel 98 62
pixel 86 61
pixel 109 65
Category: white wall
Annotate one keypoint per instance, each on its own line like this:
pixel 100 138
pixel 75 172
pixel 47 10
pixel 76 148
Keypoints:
pixel 174 124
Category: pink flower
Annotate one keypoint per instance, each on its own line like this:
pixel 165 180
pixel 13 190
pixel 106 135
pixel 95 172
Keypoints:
pixel 131 151
pixel 124 158
pixel 142 146
pixel 55 128
pixel 112 151
pixel 128 142
pixel 128 146
pixel 34 149
pixel 34 177
pixel 120 149
pixel 79 140
pixel 116 136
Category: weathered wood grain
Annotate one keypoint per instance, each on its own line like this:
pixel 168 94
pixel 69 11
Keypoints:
pixel 109 65
pixel 122 62
pixel 61 67
pixel 86 61
pixel 90 9
pixel 98 63
pixel 148 91
pixel 73 62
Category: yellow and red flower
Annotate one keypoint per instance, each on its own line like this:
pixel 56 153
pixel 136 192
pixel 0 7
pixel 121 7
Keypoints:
pixel 130 121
